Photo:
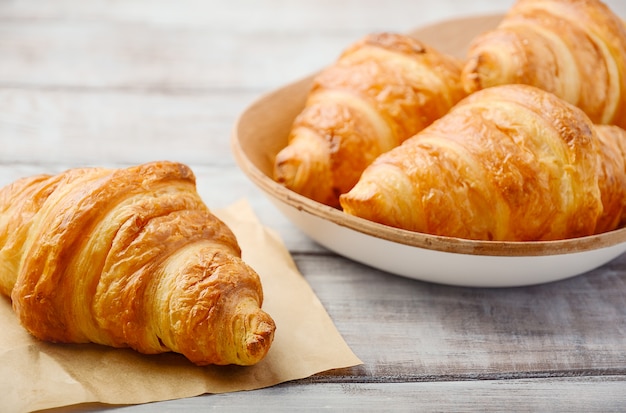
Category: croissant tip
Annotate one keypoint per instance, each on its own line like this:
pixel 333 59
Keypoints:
pixel 256 337
pixel 259 341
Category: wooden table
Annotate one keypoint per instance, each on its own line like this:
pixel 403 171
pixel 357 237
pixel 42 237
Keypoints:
pixel 116 83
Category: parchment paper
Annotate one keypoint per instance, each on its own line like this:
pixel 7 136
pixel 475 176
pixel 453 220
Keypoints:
pixel 36 375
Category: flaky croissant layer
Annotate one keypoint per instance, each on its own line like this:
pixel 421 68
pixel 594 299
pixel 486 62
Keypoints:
pixel 575 49
pixel 382 90
pixel 129 258
pixel 508 163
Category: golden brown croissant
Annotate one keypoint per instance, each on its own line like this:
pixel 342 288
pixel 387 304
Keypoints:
pixel 612 181
pixel 129 258
pixel 575 49
pixel 509 162
pixel 382 90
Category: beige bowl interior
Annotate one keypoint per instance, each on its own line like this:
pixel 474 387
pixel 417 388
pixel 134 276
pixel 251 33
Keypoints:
pixel 261 131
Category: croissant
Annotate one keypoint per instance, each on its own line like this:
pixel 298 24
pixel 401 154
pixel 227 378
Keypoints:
pixel 612 178
pixel 382 89
pixel 508 163
pixel 129 258
pixel 575 49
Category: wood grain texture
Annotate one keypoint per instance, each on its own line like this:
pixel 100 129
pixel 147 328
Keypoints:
pixel 73 127
pixel 520 395
pixel 570 327
pixel 190 45
pixel 118 83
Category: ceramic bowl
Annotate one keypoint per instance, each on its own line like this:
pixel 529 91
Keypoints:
pixel 261 131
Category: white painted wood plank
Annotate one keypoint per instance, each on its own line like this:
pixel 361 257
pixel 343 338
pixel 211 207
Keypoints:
pixel 139 57
pixel 406 328
pixel 196 45
pixel 555 395
pixel 266 15
pixel 250 15
pixel 100 127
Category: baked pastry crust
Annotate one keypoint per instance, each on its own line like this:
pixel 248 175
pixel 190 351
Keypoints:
pixel 381 90
pixel 508 163
pixel 575 49
pixel 129 258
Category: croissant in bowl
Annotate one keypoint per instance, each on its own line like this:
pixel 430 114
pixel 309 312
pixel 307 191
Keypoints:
pixel 382 90
pixel 575 49
pixel 508 163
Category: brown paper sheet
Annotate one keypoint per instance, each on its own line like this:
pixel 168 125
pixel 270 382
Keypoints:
pixel 35 375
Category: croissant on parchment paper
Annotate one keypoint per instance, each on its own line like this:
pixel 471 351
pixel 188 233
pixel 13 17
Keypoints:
pixel 382 89
pixel 129 258
pixel 508 163
pixel 575 49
